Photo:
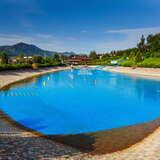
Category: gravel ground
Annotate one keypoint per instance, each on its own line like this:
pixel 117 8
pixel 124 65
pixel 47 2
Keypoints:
pixel 20 144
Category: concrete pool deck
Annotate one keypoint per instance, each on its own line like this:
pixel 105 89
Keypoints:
pixel 16 143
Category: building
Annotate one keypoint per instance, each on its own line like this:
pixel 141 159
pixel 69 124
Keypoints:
pixel 78 59
pixel 12 60
pixel 25 59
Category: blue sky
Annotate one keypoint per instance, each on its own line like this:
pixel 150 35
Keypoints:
pixel 78 25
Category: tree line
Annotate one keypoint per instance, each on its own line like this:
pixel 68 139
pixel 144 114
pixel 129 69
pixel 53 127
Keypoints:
pixel 23 61
pixel 145 54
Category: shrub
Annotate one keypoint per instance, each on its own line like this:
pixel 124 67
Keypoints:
pixel 128 63
pixel 150 63
pixel 13 66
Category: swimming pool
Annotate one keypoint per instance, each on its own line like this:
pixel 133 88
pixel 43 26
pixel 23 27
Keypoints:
pixel 82 101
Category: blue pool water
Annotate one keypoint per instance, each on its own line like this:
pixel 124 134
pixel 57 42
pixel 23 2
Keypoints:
pixel 81 101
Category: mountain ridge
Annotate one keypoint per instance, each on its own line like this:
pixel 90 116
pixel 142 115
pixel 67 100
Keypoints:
pixel 29 50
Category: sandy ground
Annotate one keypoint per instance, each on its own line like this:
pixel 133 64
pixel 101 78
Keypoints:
pixel 153 73
pixel 8 77
pixel 19 144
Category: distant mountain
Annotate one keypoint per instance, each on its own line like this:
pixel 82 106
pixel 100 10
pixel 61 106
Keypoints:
pixel 29 50
pixel 67 53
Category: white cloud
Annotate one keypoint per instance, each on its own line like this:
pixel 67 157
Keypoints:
pixel 12 39
pixel 44 41
pixel 131 37
pixel 136 30
pixel 45 36
pixel 84 31
pixel 71 38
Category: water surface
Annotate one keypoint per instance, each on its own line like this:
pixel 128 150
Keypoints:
pixel 82 101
